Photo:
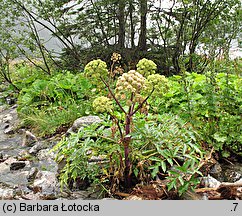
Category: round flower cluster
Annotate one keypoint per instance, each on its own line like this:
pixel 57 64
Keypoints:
pixel 102 104
pixel 129 82
pixel 115 57
pixel 146 67
pixel 158 82
pixel 95 69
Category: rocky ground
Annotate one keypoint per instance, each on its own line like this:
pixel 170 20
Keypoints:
pixel 27 168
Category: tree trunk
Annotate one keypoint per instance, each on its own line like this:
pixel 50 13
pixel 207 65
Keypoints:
pixel 143 30
pixel 121 19
pixel 132 28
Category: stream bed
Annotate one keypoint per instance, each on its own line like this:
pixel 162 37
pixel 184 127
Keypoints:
pixel 28 170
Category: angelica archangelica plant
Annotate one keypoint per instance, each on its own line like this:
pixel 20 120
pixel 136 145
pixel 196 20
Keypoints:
pixel 131 93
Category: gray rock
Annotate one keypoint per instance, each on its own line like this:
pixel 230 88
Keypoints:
pixel 28 138
pixel 8 122
pixel 37 147
pixel 15 180
pixel 46 160
pixel 7 118
pixel 210 182
pixel 46 182
pixel 2 108
pixel 12 178
pixel 4 168
pixel 231 175
pixel 14 106
pixel 6 194
pixel 82 122
pixel 9 161
pixel 45 154
pixel 216 171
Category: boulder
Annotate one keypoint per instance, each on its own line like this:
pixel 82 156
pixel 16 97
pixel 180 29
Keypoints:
pixel 28 138
pixel 82 122
pixel 46 183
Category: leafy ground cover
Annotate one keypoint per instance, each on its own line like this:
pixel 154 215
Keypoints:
pixel 154 127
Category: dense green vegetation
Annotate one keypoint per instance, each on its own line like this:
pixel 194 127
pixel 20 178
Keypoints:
pixel 177 120
pixel 165 104
pixel 52 102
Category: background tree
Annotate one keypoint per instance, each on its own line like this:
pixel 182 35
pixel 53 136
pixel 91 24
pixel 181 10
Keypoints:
pixel 167 32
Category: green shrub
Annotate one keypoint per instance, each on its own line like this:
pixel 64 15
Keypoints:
pixel 211 103
pixel 141 148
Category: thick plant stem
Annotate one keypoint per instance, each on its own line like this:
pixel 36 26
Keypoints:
pixel 127 167
pixel 126 143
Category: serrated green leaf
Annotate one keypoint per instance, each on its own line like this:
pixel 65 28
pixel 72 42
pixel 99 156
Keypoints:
pixel 153 158
pixel 154 172
pixel 170 161
pixel 173 172
pixel 181 180
pixel 136 172
pixel 163 166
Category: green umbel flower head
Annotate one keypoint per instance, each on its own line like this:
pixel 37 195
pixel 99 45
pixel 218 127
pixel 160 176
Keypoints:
pixel 96 69
pixel 158 82
pixel 102 104
pixel 146 67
